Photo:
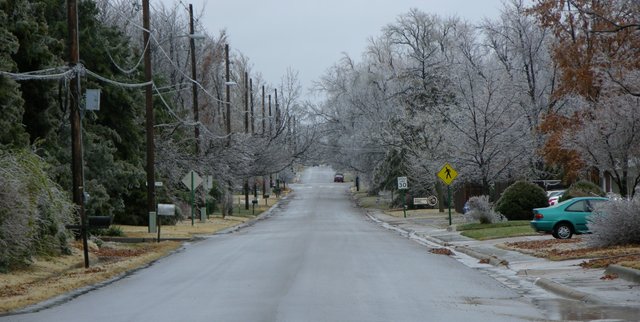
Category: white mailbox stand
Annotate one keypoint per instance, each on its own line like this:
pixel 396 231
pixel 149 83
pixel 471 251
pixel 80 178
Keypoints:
pixel 165 210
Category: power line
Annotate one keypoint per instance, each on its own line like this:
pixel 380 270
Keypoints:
pixel 42 74
pixel 117 83
pixel 132 69
pixel 188 123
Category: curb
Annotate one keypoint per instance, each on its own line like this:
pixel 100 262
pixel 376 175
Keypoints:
pixel 556 288
pixel 495 261
pixel 568 292
pixel 51 302
pixel 629 274
pixel 433 240
pixel 546 284
pixel 251 222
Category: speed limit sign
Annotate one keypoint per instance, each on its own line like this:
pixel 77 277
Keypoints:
pixel 402 183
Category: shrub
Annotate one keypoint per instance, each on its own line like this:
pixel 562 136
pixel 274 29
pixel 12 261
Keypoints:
pixel 33 211
pixel 616 222
pixel 480 209
pixel 519 199
pixel 582 189
pixel 113 231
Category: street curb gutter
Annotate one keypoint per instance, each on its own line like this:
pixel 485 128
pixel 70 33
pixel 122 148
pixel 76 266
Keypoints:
pixel 482 257
pixel 567 292
pixel 546 284
pixel 433 240
pixel 48 303
pixel 629 274
pixel 251 222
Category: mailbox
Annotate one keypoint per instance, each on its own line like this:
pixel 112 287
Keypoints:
pixel 100 222
pixel 166 209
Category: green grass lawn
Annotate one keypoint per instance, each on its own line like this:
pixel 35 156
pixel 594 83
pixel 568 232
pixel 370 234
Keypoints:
pixel 497 230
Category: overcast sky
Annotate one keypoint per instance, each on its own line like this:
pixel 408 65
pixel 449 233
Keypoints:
pixel 311 35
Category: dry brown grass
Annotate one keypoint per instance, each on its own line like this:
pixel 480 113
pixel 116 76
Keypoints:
pixel 184 229
pixel 49 277
pixel 555 249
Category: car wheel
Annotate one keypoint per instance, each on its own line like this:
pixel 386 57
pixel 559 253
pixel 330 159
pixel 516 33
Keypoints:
pixel 562 231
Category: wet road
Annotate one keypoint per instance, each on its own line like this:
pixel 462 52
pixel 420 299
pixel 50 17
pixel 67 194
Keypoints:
pixel 316 258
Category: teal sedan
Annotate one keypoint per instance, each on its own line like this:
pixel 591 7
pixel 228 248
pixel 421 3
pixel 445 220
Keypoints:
pixel 566 218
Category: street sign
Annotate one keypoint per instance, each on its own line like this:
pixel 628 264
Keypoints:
pixel 208 183
pixel 447 174
pixel 192 180
pixel 420 201
pixel 402 183
pixel 427 201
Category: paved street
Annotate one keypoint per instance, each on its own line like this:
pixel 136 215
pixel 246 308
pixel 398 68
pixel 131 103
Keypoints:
pixel 315 257
pixel 562 289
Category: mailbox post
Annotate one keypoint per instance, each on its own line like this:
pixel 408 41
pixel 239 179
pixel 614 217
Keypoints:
pixel 165 210
pixel 253 203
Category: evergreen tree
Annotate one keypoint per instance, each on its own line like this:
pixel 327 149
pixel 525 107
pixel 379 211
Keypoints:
pixel 13 21
pixel 37 50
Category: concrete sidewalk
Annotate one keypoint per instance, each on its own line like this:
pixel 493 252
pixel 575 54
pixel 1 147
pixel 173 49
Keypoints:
pixel 563 278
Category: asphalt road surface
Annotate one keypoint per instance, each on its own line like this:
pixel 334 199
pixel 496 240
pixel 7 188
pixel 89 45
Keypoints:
pixel 315 258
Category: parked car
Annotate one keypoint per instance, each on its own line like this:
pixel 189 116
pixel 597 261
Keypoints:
pixel 338 177
pixel 566 218
pixel 554 196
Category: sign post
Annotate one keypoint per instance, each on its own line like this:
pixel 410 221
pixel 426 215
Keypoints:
pixel 447 174
pixel 402 186
pixel 192 180
pixel 208 185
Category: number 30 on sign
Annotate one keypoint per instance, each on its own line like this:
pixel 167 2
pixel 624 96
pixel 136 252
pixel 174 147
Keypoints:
pixel 402 183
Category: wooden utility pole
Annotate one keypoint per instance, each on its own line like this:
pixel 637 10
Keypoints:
pixel 253 131
pixel 263 112
pixel 246 131
pixel 277 113
pixel 76 129
pixel 253 127
pixel 270 130
pixel 270 125
pixel 264 178
pixel 246 102
pixel 194 85
pixel 228 91
pixel 229 205
pixel 149 116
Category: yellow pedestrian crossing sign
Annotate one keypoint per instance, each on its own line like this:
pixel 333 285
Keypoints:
pixel 447 174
